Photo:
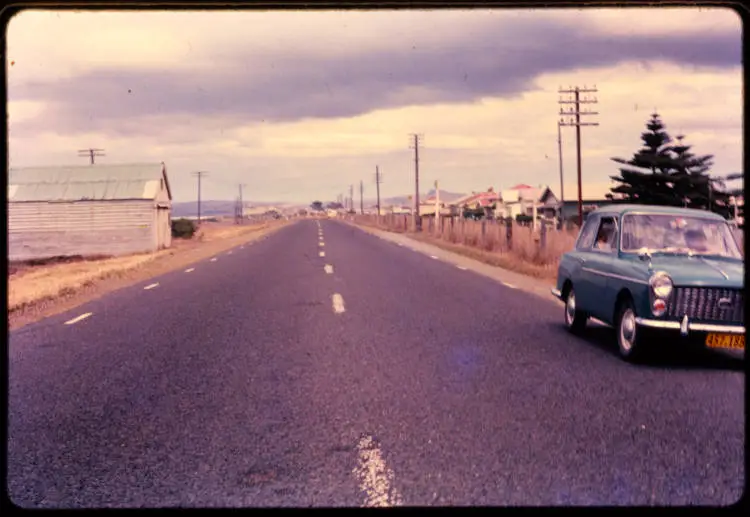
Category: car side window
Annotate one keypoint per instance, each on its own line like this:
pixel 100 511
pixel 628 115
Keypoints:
pixel 607 235
pixel 588 232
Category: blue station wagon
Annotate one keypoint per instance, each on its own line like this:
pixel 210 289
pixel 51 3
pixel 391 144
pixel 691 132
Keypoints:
pixel 654 269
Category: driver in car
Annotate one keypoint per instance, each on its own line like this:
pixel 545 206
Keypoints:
pixel 696 240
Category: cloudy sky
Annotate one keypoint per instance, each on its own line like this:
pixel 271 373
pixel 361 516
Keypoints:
pixel 299 105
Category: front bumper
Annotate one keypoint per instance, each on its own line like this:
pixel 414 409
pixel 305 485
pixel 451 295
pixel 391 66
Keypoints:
pixel 686 326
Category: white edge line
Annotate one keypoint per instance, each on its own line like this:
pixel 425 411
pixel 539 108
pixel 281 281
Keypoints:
pixel 338 303
pixel 79 318
pixel 151 286
pixel 506 284
pixel 190 270
pixel 462 268
pixel 213 259
pixel 433 257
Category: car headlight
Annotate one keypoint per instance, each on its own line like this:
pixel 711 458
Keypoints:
pixel 661 284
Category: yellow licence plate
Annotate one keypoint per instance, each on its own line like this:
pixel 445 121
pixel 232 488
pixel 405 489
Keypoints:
pixel 735 341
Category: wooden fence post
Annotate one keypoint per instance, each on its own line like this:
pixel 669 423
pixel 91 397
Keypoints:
pixel 543 236
pixel 483 241
pixel 509 234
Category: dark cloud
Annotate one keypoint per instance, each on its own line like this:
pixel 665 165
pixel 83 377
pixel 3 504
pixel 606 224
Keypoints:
pixel 499 61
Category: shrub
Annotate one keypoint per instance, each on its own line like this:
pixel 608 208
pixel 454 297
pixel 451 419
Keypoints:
pixel 183 229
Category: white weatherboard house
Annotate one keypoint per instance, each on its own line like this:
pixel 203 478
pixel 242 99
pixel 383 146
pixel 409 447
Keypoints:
pixel 88 210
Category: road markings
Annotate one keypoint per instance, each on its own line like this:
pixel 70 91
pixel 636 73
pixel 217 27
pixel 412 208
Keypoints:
pixel 242 247
pixel 374 475
pixel 322 254
pixel 506 284
pixel 229 253
pixel 320 237
pixel 338 303
pixel 321 244
pixel 328 268
pixel 462 268
pixel 433 257
pixel 79 318
pixel 190 270
pixel 151 286
pixel 400 244
pixel 213 259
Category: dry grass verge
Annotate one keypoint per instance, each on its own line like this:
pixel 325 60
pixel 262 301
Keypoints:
pixel 36 291
pixel 525 255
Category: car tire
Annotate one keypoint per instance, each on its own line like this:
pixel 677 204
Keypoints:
pixel 575 320
pixel 630 338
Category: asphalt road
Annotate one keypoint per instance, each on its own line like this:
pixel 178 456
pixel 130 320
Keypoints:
pixel 264 378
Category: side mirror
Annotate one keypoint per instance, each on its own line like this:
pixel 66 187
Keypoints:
pixel 644 254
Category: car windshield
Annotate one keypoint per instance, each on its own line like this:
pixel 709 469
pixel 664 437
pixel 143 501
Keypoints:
pixel 678 234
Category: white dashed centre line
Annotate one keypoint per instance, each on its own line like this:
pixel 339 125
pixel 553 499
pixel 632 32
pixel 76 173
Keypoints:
pixel 322 253
pixel 506 284
pixel 374 475
pixel 338 303
pixel 190 270
pixel 321 244
pixel 151 286
pixel 79 318
pixel 328 268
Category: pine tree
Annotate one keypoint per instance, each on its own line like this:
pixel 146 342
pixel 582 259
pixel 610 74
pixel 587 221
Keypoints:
pixel 669 175
pixel 650 184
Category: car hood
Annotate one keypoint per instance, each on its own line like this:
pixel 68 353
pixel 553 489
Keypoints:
pixel 700 271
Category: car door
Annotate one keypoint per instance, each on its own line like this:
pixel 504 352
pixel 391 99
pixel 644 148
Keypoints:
pixel 599 268
pixel 582 277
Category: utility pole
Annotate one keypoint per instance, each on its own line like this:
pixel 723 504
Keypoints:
pixel 378 181
pixel 199 174
pixel 361 197
pixel 576 112
pixel 351 198
pixel 91 153
pixel 438 219
pixel 562 189
pixel 417 221
pixel 242 206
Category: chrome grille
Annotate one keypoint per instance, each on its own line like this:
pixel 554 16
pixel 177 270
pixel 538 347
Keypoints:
pixel 702 304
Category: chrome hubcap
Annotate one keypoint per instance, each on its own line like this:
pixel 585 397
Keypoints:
pixel 570 308
pixel 627 329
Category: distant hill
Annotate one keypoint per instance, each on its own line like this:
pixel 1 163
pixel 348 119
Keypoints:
pixel 212 207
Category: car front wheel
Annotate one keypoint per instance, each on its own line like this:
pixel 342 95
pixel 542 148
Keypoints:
pixel 630 339
pixel 575 320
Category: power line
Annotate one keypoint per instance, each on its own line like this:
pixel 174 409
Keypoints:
pixel 574 115
pixel 90 153
pixel 417 138
pixel 199 174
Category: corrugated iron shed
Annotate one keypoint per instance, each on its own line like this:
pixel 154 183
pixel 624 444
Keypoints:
pixel 86 182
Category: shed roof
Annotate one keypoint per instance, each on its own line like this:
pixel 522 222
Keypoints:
pixel 87 182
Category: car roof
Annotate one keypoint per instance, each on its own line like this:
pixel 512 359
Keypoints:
pixel 622 209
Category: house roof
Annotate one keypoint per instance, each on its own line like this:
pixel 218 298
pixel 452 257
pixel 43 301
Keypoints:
pixel 87 182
